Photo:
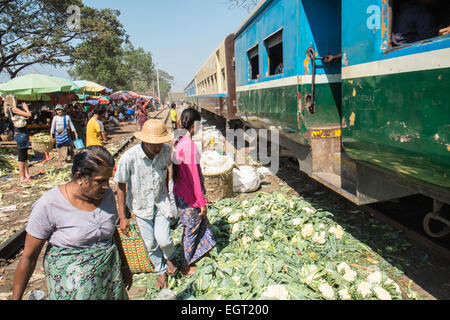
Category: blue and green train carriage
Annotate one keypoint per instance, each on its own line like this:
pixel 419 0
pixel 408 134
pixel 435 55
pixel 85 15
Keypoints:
pixel 367 118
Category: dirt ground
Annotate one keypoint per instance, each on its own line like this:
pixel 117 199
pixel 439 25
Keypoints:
pixel 23 196
pixel 423 272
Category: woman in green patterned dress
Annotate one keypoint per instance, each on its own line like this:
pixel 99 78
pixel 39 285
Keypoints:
pixel 84 259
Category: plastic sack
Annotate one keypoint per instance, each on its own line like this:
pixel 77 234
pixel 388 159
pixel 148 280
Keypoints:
pixel 212 162
pixel 79 144
pixel 263 172
pixel 245 179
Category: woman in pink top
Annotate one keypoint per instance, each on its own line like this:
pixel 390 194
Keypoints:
pixel 189 192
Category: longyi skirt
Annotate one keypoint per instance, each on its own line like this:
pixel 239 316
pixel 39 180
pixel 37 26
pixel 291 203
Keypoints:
pixel 198 239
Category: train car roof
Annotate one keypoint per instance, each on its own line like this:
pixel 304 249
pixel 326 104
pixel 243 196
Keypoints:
pixel 259 7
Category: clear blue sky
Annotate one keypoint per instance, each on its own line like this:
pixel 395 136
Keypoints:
pixel 181 34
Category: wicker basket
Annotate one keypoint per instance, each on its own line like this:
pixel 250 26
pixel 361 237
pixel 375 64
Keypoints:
pixel 42 147
pixel 219 186
pixel 6 137
pixel 135 251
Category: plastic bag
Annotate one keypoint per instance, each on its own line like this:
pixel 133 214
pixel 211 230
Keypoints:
pixel 79 144
pixel 245 179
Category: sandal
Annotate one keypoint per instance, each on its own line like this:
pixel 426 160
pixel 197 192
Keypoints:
pixel 26 180
pixel 162 285
pixel 172 270
pixel 188 271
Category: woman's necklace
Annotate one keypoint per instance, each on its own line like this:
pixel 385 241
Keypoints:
pixel 67 193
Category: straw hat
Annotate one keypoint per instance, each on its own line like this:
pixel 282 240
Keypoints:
pixel 154 132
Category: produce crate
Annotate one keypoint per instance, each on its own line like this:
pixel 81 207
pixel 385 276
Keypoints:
pixel 6 137
pixel 219 186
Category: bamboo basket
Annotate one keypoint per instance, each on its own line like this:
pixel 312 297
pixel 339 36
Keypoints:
pixel 6 137
pixel 219 186
pixel 42 147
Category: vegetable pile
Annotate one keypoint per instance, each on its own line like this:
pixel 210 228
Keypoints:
pixel 279 247
pixel 41 137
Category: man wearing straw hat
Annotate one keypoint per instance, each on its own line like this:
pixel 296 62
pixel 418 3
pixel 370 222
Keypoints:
pixel 143 189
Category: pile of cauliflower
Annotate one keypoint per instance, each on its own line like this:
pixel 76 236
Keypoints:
pixel 309 231
pixel 275 246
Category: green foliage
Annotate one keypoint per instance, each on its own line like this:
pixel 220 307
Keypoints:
pixel 119 65
pixel 37 32
pixel 263 253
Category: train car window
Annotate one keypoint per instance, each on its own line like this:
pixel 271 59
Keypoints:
pixel 418 20
pixel 274 45
pixel 253 58
pixel 224 80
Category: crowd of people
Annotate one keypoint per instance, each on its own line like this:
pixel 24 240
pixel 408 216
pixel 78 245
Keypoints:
pixel 67 123
pixel 79 220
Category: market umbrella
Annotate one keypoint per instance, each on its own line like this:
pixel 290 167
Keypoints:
pixel 89 86
pixel 120 96
pixel 107 90
pixel 103 101
pixel 92 102
pixel 74 87
pixel 82 96
pixel 131 93
pixel 34 87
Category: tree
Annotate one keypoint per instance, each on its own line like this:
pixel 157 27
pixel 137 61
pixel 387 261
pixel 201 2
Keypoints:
pixel 38 32
pixel 246 4
pixel 119 65
pixel 99 59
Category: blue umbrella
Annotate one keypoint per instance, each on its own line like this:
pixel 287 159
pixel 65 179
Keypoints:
pixel 92 102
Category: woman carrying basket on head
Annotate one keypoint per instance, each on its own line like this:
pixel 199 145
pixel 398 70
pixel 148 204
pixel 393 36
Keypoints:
pixel 60 125
pixel 84 259
pixel 189 193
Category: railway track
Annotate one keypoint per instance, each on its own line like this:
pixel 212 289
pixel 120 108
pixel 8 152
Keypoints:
pixel 10 247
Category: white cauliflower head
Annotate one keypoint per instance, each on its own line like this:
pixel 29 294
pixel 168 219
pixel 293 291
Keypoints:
pixel 296 221
pixel 319 238
pixel 344 294
pixel 350 275
pixel 382 294
pixel 337 231
pixel 226 210
pixel 343 266
pixel 234 217
pixel 326 290
pixel 236 228
pixel 276 291
pixel 307 231
pixel 257 232
pixel 364 288
pixel 246 240
pixel 253 210
pixel 308 210
pixel 374 277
